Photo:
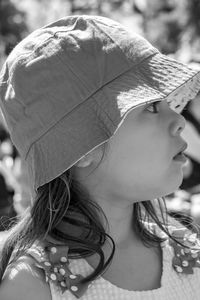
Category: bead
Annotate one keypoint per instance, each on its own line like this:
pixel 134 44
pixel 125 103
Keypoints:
pixel 53 276
pixel 62 271
pixel 170 229
pixel 192 238
pixel 185 263
pixel 63 284
pixel 74 288
pixel 47 263
pixel 63 259
pixel 53 250
pixel 72 276
pixel 194 255
pixel 186 250
pixel 182 252
pixel 55 270
pixel 163 235
pixel 179 269
pixel 178 254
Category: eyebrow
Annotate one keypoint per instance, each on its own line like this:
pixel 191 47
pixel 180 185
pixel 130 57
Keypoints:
pixel 149 103
pixel 158 101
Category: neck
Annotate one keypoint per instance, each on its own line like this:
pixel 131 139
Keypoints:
pixel 120 226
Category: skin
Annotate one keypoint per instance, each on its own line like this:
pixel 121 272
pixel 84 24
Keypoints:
pixel 138 165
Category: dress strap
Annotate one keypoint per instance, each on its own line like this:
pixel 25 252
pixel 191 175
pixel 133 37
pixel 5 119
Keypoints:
pixel 54 261
pixel 187 253
pixel 186 257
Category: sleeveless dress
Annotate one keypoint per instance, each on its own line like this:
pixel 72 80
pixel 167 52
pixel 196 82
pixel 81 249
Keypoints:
pixel 180 278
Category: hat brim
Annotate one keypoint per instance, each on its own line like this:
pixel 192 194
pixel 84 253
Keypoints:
pixel 158 77
pixel 95 120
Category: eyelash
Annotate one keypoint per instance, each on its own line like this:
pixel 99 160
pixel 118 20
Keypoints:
pixel 154 105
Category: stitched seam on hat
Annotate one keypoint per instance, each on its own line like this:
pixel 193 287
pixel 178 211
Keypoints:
pixel 50 128
pixel 13 67
pixel 156 51
pixel 103 126
pixel 69 66
pixel 76 75
pixel 36 48
pixel 42 43
pixel 104 111
pixel 91 95
pixel 113 123
pixel 30 52
pixel 185 82
pixel 85 84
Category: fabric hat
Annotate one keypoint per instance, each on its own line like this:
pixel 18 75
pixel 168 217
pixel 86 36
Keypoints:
pixel 66 88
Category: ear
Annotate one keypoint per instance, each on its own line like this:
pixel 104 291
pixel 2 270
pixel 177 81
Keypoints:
pixel 85 161
pixel 93 157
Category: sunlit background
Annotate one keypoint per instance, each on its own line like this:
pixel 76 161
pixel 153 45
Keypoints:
pixel 173 26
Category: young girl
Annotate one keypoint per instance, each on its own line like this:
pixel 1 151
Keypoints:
pixel 94 112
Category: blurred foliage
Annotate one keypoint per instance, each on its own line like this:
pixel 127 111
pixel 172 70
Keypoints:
pixel 162 24
pixel 173 26
pixel 12 27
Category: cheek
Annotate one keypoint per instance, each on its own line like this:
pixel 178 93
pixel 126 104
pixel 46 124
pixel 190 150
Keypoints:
pixel 134 162
pixel 143 179
pixel 143 168
pixel 127 176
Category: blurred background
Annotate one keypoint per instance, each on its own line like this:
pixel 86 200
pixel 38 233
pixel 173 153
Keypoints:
pixel 173 26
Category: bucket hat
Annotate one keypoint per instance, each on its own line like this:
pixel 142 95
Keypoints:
pixel 66 88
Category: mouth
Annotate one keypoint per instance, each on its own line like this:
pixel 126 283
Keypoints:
pixel 180 156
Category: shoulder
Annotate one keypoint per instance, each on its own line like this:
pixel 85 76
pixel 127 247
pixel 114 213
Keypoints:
pixel 24 278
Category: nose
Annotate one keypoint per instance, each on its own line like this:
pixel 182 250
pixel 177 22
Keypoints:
pixel 177 124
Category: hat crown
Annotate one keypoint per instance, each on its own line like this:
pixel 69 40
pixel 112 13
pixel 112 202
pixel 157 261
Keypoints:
pixel 66 62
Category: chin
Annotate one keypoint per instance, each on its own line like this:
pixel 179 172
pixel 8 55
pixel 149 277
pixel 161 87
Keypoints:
pixel 168 187
pixel 174 186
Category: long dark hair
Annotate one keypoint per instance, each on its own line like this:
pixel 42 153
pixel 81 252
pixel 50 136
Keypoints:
pixel 63 204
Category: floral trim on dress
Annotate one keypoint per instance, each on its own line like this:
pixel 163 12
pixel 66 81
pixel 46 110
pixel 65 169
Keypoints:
pixel 185 258
pixel 54 260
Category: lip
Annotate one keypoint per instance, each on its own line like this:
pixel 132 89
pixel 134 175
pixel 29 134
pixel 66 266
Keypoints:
pixel 180 157
pixel 184 147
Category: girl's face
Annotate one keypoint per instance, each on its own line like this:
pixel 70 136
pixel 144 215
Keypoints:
pixel 139 164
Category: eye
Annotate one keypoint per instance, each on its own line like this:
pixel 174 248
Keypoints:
pixel 153 107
